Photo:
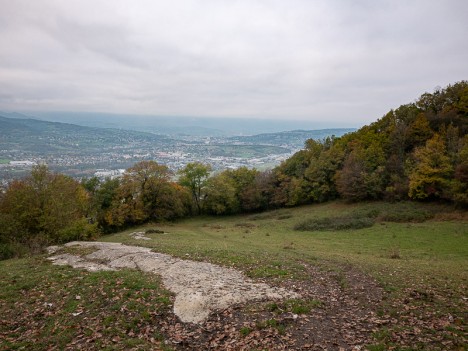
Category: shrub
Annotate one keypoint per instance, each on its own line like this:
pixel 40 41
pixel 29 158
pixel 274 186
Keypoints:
pixel 9 250
pixel 16 249
pixel 366 213
pixel 405 213
pixel 154 231
pixel 335 223
pixel 79 230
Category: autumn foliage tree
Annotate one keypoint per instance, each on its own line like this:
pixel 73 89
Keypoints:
pixel 194 177
pixel 460 182
pixel 146 193
pixel 221 197
pixel 101 194
pixel 432 172
pixel 42 209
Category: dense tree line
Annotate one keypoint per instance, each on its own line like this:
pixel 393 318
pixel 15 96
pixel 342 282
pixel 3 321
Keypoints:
pixel 41 209
pixel 418 151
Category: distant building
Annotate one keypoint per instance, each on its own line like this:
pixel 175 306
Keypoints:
pixel 105 173
pixel 22 163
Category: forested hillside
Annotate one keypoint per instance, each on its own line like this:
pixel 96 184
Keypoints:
pixel 418 151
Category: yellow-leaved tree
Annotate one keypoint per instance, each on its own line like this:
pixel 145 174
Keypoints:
pixel 431 174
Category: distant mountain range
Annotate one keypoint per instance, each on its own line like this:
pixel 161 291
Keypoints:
pixel 295 138
pixel 22 131
pixel 81 150
pixel 173 126
pixel 44 136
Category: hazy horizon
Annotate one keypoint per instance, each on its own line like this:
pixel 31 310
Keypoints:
pixel 176 124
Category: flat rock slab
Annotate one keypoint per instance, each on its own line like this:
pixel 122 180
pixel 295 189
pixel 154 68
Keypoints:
pixel 200 287
pixel 139 236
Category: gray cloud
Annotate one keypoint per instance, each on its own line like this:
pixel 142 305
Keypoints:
pixel 340 61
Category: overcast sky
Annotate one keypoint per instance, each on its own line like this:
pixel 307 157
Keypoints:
pixel 339 61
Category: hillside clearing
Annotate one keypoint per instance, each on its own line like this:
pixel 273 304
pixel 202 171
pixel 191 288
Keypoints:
pixel 390 286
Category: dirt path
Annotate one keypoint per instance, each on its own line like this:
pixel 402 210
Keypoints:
pixel 200 287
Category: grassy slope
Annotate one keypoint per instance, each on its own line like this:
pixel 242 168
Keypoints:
pixel 421 265
pixel 432 249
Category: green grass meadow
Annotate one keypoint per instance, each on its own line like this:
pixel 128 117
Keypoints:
pixel 432 249
pixel 424 248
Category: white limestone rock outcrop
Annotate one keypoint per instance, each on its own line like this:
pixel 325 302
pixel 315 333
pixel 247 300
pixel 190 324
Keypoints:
pixel 199 287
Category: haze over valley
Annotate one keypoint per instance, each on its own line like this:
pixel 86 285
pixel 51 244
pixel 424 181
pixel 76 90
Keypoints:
pixel 84 151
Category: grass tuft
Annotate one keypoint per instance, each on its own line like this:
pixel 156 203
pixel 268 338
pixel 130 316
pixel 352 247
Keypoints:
pixel 395 253
pixel 244 331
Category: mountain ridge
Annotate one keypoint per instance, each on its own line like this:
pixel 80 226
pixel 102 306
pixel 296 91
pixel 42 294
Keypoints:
pixel 8 124
pixel 177 125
